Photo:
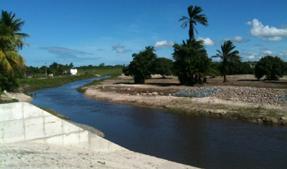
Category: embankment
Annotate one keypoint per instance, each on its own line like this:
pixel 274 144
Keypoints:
pixel 258 105
pixel 33 138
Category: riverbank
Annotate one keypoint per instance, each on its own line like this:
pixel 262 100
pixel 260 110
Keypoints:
pixel 253 104
pixel 32 138
pixel 28 85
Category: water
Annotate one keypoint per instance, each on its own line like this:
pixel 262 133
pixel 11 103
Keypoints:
pixel 201 142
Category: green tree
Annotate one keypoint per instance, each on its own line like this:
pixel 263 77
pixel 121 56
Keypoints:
pixel 163 66
pixel 229 57
pixel 269 66
pixel 191 62
pixel 141 65
pixel 195 16
pixel 11 39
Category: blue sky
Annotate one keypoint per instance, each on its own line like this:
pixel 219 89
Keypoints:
pixel 109 31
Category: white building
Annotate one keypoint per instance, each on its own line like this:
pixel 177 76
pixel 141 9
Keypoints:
pixel 73 71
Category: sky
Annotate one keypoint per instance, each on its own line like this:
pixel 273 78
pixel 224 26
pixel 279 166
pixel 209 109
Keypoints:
pixel 90 32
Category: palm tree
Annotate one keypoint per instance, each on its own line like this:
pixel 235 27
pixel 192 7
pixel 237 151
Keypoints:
pixel 228 55
pixel 11 39
pixel 10 31
pixel 10 62
pixel 195 16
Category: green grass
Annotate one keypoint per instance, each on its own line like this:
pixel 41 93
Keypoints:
pixel 32 84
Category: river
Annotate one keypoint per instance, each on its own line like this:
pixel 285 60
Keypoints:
pixel 201 142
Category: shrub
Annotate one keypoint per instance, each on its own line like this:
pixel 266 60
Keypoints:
pixel 142 64
pixel 191 62
pixel 269 66
pixel 162 66
pixel 8 83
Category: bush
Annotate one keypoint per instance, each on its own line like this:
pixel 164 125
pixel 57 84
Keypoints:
pixel 142 65
pixel 269 66
pixel 163 66
pixel 8 83
pixel 191 62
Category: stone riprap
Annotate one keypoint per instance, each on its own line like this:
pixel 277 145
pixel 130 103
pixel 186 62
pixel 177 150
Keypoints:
pixel 198 92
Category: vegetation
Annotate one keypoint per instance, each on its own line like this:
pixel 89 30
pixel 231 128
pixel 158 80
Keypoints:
pixel 11 40
pixel 194 16
pixel 229 56
pixel 142 65
pixel 32 84
pixel 271 67
pixel 55 68
pixel 191 62
pixel 163 66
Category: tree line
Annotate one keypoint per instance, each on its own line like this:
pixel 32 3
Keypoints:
pixel 191 63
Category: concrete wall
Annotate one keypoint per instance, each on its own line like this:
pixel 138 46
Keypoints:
pixel 20 122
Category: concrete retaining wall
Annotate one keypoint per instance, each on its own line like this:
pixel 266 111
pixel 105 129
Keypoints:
pixel 21 122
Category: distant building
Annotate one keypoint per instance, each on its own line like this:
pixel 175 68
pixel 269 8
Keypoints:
pixel 50 75
pixel 73 71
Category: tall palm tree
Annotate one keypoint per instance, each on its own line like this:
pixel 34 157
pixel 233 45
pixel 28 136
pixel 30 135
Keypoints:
pixel 195 16
pixel 228 55
pixel 11 39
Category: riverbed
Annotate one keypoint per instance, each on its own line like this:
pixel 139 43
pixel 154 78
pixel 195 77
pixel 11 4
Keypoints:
pixel 197 141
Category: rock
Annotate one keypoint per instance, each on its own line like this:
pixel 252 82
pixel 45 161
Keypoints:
pixel 259 121
pixel 155 93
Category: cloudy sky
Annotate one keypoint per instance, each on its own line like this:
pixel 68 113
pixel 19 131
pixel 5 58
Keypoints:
pixel 109 31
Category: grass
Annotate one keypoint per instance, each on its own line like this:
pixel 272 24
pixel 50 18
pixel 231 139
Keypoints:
pixel 32 84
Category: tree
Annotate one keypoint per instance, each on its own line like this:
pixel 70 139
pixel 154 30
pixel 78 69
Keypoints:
pixel 269 66
pixel 141 65
pixel 11 39
pixel 191 62
pixel 162 66
pixel 10 35
pixel 194 16
pixel 229 56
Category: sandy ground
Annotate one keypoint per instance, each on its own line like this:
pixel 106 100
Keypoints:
pixel 21 97
pixel 120 90
pixel 46 156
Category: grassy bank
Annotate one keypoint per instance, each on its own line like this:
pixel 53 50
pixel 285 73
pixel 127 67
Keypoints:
pixel 32 84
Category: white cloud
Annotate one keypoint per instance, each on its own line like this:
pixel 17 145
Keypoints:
pixel 265 31
pixel 276 38
pixel 63 52
pixel 207 41
pixel 163 44
pixel 267 52
pixel 120 49
pixel 249 55
pixel 237 39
